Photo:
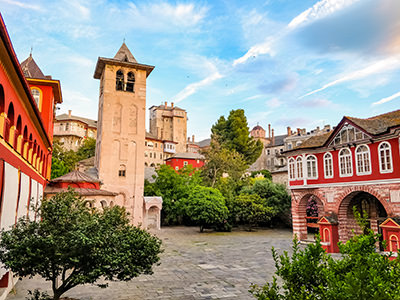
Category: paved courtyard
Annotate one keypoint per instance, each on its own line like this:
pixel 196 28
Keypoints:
pixel 194 266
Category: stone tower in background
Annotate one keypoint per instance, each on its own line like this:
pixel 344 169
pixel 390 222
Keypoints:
pixel 121 128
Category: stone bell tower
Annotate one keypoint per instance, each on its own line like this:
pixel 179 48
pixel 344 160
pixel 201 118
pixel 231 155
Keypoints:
pixel 121 128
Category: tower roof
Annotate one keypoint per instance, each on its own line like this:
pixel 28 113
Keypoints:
pixel 124 54
pixel 31 69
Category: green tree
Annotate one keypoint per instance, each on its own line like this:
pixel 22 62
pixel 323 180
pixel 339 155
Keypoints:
pixel 173 186
pixel 87 149
pixel 251 209
pixel 74 244
pixel 220 161
pixel 205 206
pixel 233 134
pixel 362 273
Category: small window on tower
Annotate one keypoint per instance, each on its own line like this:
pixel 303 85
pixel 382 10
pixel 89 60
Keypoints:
pixel 122 171
pixel 119 81
pixel 130 84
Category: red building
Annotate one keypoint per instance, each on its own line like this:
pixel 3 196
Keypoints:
pixel 180 160
pixel 26 122
pixel 355 165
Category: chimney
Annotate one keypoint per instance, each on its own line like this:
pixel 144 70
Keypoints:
pixel 273 137
pixel 188 139
pixel 193 138
pixel 269 131
pixel 298 131
pixel 172 104
pixel 289 131
pixel 69 113
pixel 165 104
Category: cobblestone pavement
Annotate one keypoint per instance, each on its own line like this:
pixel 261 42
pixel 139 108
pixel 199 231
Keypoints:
pixel 194 266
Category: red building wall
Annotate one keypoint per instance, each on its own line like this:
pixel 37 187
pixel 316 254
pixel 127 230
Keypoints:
pixel 180 162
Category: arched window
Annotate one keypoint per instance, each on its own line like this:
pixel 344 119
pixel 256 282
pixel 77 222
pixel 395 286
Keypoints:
pixel 119 81
pixel 122 171
pixel 130 84
pixel 37 95
pixel 385 158
pixel 25 134
pixel 292 169
pixel 299 167
pixel 19 125
pixel 345 165
pixel 312 167
pixel 103 204
pixel 328 165
pixel 10 114
pixel 145 164
pixel 363 161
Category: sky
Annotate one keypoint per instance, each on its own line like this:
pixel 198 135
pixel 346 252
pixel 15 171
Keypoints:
pixel 286 63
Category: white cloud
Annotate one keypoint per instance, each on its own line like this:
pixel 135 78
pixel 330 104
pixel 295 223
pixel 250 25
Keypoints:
pixel 316 103
pixel 273 103
pixel 84 12
pixel 319 10
pixel 253 97
pixel 22 5
pixel 374 68
pixel 194 87
pixel 387 99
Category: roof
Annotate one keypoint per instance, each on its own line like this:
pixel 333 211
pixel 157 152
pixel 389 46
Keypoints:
pixel 31 69
pixel 75 176
pixel 151 136
pixel 187 155
pixel 378 124
pixel 87 161
pixel 314 141
pixel 163 107
pixel 123 58
pixel 258 127
pixel 80 191
pixel 66 117
pixel 204 143
pixel 279 141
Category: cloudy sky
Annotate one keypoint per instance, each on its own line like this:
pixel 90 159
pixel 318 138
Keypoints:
pixel 289 63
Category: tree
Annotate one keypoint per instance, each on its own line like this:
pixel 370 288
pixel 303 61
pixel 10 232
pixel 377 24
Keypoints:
pixel 173 186
pixel 87 149
pixel 251 209
pixel 205 206
pixel 220 161
pixel 74 244
pixel 233 134
pixel 362 273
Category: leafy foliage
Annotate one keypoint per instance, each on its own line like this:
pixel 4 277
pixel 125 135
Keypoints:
pixel 233 133
pixel 173 186
pixel 205 206
pixel 362 273
pixel 74 244
pixel 64 161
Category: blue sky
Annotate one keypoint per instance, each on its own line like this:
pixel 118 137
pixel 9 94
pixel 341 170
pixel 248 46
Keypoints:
pixel 289 63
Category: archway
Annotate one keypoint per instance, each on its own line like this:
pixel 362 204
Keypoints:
pixel 153 216
pixel 305 218
pixel 369 207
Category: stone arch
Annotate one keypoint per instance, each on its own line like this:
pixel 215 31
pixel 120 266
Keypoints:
pixel 377 208
pixel 299 213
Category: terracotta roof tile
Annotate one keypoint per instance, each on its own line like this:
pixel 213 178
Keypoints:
pixel 65 117
pixel 80 191
pixel 75 176
pixel 31 69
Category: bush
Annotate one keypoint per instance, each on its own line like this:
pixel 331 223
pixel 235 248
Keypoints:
pixel 205 206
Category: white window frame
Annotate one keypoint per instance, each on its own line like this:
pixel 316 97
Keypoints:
pixel 292 162
pixel 341 174
pixel 328 157
pixel 299 159
pixel 382 171
pixel 314 159
pixel 368 153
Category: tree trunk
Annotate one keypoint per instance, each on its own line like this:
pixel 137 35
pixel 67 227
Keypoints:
pixel 201 228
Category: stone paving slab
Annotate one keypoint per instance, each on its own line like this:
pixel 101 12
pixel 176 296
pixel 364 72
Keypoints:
pixel 194 266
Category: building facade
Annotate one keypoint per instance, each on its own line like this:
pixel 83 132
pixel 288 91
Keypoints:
pixel 72 130
pixel 181 160
pixel 169 123
pixel 154 151
pixel 355 165
pixel 27 102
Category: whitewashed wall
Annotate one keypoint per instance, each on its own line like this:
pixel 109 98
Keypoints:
pixel 24 196
pixel 10 196
pixel 34 197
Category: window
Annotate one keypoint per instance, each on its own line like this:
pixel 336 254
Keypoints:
pixel 119 81
pixel 385 158
pixel 345 165
pixel 312 167
pixel 348 134
pixel 177 168
pixel 122 171
pixel 299 167
pixel 37 95
pixel 151 154
pixel 363 161
pixel 292 169
pixel 145 143
pixel 268 152
pixel 328 165
pixel 130 84
pixel 185 163
pixel 289 146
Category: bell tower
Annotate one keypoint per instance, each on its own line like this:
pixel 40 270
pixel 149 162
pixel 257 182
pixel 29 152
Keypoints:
pixel 121 128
